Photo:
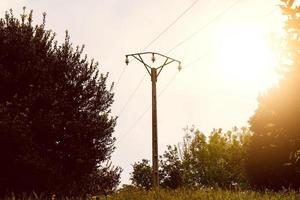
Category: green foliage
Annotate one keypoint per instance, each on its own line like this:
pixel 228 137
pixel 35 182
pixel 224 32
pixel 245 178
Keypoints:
pixel 274 148
pixel 214 161
pixel 141 175
pixel 217 161
pixel 171 170
pixel 55 123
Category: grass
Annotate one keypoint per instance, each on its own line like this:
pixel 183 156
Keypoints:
pixel 199 194
pixel 184 194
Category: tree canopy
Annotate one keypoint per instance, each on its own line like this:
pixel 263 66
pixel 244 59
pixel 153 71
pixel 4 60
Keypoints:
pixel 214 161
pixel 274 149
pixel 55 122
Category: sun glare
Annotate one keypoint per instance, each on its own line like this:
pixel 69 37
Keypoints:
pixel 246 57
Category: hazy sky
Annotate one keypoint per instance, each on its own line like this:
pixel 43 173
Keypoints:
pixel 217 91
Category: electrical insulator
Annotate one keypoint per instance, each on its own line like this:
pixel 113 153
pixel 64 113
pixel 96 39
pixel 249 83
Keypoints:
pixel 153 58
pixel 179 67
pixel 127 60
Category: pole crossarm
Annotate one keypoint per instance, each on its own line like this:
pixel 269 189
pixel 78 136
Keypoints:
pixel 139 58
pixel 149 52
pixel 154 72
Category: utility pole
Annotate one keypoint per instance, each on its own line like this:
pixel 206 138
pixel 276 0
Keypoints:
pixel 154 73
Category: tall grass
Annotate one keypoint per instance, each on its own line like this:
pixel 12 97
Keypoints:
pixel 205 194
pixel 180 194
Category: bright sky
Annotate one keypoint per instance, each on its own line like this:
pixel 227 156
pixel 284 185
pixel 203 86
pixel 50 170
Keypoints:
pixel 217 91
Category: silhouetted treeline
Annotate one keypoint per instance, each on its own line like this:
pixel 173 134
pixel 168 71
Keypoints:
pixel 274 151
pixel 55 123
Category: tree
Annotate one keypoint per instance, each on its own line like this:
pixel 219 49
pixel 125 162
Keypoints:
pixel 55 123
pixel 142 174
pixel 171 172
pixel 194 155
pixel 214 161
pixel 273 153
pixel 217 160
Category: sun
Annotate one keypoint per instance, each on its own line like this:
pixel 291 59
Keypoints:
pixel 246 56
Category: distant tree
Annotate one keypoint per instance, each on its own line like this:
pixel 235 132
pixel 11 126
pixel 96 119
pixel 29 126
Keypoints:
pixel 170 171
pixel 194 155
pixel 274 148
pixel 55 123
pixel 218 160
pixel 141 175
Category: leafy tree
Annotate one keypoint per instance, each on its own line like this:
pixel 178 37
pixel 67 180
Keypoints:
pixel 214 161
pixel 55 123
pixel 171 172
pixel 217 160
pixel 142 174
pixel 274 149
pixel 194 155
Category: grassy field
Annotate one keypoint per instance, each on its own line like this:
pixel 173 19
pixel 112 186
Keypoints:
pixel 204 194
pixel 182 194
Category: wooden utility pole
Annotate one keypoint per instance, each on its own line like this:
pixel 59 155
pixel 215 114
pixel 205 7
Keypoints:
pixel 154 130
pixel 154 72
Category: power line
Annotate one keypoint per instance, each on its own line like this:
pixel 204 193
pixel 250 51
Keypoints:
pixel 132 94
pixel 135 123
pixel 148 45
pixel 160 93
pixel 205 25
pixel 201 28
pixel 121 75
pixel 176 74
pixel 160 34
pixel 168 27
pixel 172 79
pixel 176 46
pixel 180 43
pixel 199 58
